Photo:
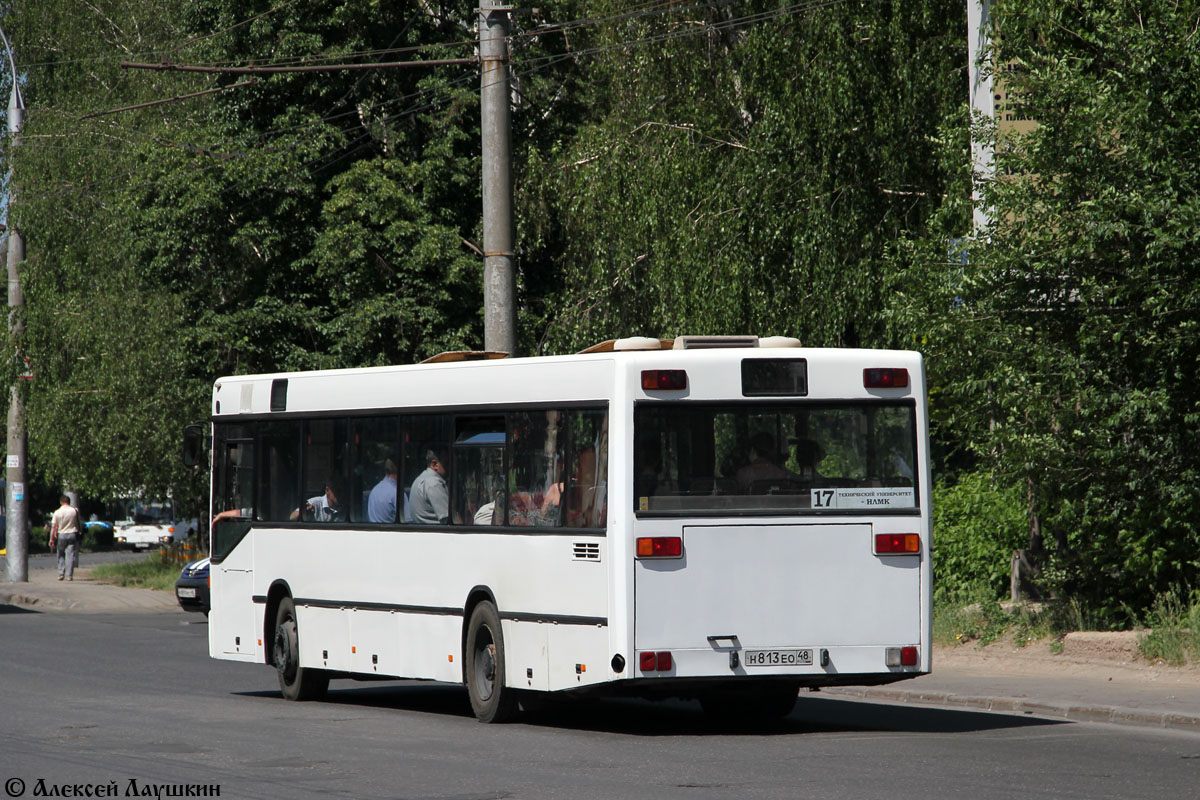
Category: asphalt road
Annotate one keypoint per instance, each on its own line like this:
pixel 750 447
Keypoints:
pixel 93 700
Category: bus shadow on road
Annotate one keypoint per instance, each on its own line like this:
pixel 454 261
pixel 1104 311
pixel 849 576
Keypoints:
pixel 812 715
pixel 636 717
pixel 9 609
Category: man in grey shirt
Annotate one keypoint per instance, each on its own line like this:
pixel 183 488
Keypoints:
pixel 429 497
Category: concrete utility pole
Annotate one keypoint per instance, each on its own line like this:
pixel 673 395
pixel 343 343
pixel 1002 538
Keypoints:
pixel 983 101
pixel 499 280
pixel 17 523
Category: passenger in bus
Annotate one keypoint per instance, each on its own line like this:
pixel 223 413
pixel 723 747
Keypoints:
pixel 322 508
pixel 809 454
pixel 491 512
pixel 552 499
pixel 587 497
pixel 429 497
pixel 649 460
pixel 763 463
pixel 900 467
pixel 381 503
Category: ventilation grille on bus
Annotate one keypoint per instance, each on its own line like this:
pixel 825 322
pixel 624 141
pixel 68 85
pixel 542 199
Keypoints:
pixel 587 551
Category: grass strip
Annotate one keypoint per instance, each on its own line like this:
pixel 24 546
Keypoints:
pixel 150 573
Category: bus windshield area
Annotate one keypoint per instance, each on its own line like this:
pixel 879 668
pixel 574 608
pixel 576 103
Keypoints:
pixel 714 459
pixel 140 511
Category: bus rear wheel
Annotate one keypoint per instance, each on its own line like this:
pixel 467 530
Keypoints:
pixel 491 700
pixel 295 682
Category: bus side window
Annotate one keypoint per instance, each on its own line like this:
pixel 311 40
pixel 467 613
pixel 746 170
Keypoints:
pixel 279 471
pixel 537 470
pixel 374 492
pixel 477 471
pixel 421 435
pixel 325 486
pixel 587 498
pixel 234 458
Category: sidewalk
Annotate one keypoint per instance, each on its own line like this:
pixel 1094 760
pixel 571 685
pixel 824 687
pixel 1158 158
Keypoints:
pixel 44 592
pixel 1085 683
pixel 1087 687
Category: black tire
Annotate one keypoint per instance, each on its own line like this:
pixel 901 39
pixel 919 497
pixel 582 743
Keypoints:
pixel 752 703
pixel 491 700
pixel 296 682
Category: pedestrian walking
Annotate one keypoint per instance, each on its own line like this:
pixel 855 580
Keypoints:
pixel 65 528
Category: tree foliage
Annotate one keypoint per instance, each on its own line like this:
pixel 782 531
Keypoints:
pixel 737 167
pixel 1067 343
pixel 299 222
pixel 745 167
pixel 752 166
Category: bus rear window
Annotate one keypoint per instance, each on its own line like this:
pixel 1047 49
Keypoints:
pixel 712 459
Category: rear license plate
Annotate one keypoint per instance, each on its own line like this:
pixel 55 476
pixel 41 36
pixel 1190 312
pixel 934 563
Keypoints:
pixel 777 658
pixel 189 593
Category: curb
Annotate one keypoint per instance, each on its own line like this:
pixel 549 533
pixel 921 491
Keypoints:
pixel 35 602
pixel 1115 715
pixel 15 599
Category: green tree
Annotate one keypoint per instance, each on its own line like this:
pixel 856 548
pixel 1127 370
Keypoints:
pixel 305 221
pixel 745 167
pixel 1070 336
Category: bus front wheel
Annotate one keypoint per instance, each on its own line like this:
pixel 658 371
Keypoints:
pixel 296 682
pixel 491 700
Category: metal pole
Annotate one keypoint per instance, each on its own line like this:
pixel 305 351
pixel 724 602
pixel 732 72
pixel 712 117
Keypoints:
pixel 16 528
pixel 499 282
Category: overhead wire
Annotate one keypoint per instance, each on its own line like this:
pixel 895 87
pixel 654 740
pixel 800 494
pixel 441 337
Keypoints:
pixel 529 68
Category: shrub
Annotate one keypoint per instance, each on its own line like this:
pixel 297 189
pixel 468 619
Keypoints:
pixel 977 525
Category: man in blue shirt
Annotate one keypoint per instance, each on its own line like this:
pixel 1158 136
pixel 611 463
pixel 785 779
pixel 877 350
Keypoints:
pixel 381 503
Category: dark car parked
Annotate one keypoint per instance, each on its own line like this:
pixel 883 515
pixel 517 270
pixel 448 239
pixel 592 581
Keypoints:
pixel 191 590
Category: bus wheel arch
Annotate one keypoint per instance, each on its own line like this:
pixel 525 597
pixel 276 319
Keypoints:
pixel 477 595
pixel 484 661
pixel 297 683
pixel 279 590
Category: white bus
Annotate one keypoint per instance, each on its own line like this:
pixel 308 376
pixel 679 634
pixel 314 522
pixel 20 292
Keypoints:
pixel 142 522
pixel 720 518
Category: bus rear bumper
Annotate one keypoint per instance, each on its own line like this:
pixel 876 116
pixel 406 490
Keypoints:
pixel 816 665
pixel 690 688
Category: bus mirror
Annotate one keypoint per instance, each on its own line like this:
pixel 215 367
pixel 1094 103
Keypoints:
pixel 193 445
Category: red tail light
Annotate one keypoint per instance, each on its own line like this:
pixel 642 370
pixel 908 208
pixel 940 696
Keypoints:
pixel 897 543
pixel 664 379
pixel 884 378
pixel 659 547
pixel 908 656
pixel 655 662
